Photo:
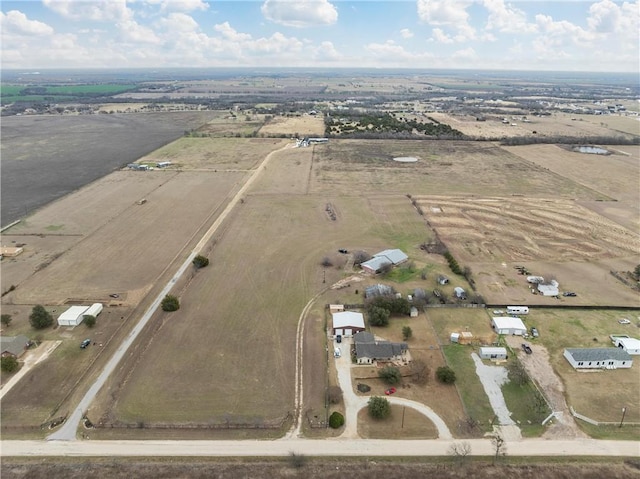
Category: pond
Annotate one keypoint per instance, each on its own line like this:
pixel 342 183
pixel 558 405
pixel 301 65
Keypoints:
pixel 591 150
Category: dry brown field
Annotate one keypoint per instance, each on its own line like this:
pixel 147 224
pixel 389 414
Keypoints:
pixel 616 176
pixel 299 126
pixel 557 124
pixel 402 423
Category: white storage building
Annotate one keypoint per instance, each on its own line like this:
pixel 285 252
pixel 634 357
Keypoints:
pixel 493 353
pixel 94 310
pixel 347 323
pixel 508 325
pixel 72 316
pixel 630 345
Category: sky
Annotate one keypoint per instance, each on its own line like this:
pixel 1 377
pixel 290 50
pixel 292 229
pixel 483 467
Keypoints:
pixel 569 35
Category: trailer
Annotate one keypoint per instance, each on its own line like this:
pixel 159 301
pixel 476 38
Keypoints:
pixel 517 309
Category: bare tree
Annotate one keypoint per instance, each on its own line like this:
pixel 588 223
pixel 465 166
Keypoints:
pixel 360 257
pixel 326 262
pixel 499 446
pixel 420 371
pixel 460 452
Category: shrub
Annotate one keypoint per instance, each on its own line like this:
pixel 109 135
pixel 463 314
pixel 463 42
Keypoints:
pixel 40 318
pixel 390 375
pixel 200 261
pixel 407 332
pixel 379 408
pixel 378 316
pixel 336 420
pixel 6 320
pixel 170 303
pixel 9 364
pixel 446 375
pixel 90 320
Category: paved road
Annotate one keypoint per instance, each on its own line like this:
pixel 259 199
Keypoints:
pixel 315 447
pixel 68 430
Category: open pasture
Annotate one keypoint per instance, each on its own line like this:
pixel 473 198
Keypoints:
pixel 298 126
pixel 213 153
pixel 129 251
pixel 615 176
pixel 444 167
pixel 598 394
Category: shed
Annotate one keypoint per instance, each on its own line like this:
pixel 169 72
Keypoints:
pixel 455 337
pixel 13 346
pixel 508 325
pixel 336 308
pixel 630 345
pixel 460 293
pixel 493 353
pixel 10 251
pixel 443 279
pixel 347 323
pixel 414 312
pixel 72 316
pixel 377 290
pixel 94 310
pixel 598 358
pixel 549 289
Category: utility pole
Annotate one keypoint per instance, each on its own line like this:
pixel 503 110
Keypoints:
pixel 403 408
pixel 324 280
pixel 624 411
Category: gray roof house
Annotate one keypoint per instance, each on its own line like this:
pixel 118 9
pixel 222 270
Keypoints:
pixel 379 260
pixel 13 346
pixel 377 290
pixel 598 358
pixel 369 350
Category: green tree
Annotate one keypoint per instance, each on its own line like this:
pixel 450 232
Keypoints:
pixel 407 332
pixel 390 375
pixel 517 373
pixel 90 320
pixel 6 319
pixel 9 364
pixel 40 317
pixel 378 316
pixel 446 375
pixel 636 272
pixel 379 408
pixel 170 303
pixel 200 261
pixel 336 420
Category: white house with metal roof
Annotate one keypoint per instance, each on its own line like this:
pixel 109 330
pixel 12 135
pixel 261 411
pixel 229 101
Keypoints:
pixel 598 358
pixel 383 258
pixel 347 323
pixel 508 325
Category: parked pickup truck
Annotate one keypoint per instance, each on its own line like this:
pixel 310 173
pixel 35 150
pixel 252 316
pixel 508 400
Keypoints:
pixel 526 348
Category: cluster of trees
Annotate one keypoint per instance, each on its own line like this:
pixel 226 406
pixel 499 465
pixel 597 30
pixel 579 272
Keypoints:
pixel 372 123
pixel 381 308
pixel 40 318
pixel 453 263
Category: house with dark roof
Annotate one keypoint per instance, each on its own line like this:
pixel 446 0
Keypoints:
pixel 14 346
pixel 369 350
pixel 598 358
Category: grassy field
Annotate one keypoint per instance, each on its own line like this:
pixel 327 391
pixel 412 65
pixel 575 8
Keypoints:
pixel 402 423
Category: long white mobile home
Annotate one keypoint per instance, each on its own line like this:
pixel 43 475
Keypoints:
pixel 517 310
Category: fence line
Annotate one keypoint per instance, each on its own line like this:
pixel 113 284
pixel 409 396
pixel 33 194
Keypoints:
pixel 599 423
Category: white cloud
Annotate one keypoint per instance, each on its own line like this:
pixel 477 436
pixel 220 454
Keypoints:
pixel 450 13
pixel 17 23
pixel 506 18
pixel 178 22
pixel 300 13
pixel 230 34
pixel 465 54
pixel 97 10
pixel 441 37
pixel 326 51
pixel 132 31
pixel 607 17
pixel 183 5
pixel 406 33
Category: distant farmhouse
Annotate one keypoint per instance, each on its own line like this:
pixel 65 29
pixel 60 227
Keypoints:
pixel 598 358
pixel 383 258
pixel 369 351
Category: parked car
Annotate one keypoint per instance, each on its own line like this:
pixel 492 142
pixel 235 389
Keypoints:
pixel 338 338
pixel 534 332
pixel 624 321
pixel 569 293
pixel 114 295
pixel 343 251
pixel 336 353
pixel 526 348
pixel 390 391
pixel 85 343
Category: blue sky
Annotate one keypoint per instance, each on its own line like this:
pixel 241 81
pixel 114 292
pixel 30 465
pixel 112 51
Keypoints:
pixel 571 35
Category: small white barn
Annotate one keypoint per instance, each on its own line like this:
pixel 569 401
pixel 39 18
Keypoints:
pixel 94 310
pixel 493 353
pixel 508 325
pixel 630 345
pixel 413 312
pixel 347 323
pixel 549 289
pixel 72 316
pixel 598 358
pixel 460 292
